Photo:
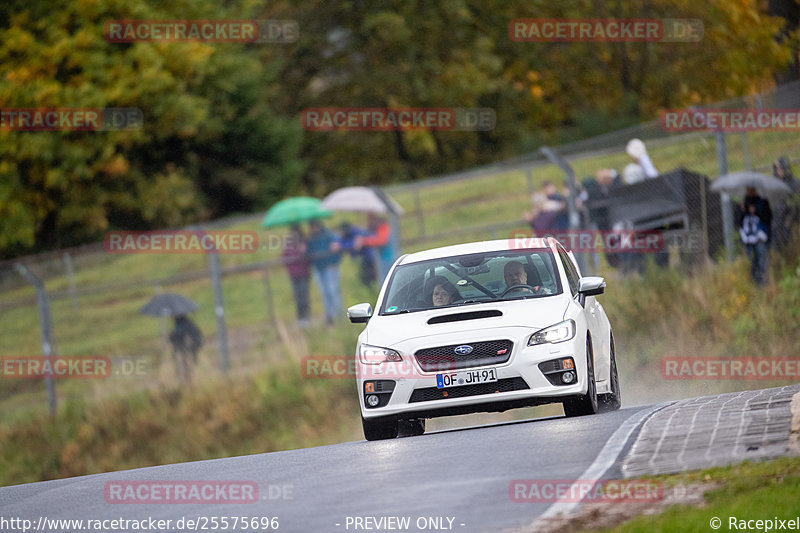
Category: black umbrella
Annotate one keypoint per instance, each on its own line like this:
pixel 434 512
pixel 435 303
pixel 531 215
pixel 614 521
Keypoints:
pixel 738 182
pixel 168 304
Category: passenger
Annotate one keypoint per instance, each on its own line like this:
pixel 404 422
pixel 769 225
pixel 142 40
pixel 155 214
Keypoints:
pixel 441 291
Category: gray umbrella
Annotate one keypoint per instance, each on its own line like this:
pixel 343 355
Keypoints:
pixel 363 199
pixel 737 182
pixel 168 304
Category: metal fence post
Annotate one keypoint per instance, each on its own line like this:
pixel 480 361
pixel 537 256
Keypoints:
pixel 725 199
pixel 219 310
pixel 45 321
pixel 572 208
pixel 747 164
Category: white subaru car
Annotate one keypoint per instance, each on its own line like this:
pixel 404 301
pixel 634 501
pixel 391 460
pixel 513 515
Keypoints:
pixel 481 327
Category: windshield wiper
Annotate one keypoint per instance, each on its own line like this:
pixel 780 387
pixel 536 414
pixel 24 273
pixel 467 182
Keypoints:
pixel 408 310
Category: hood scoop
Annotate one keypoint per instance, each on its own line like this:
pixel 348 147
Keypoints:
pixel 458 317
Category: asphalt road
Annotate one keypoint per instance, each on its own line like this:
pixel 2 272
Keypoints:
pixel 454 480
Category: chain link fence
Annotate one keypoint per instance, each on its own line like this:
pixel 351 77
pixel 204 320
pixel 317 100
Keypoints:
pixel 94 296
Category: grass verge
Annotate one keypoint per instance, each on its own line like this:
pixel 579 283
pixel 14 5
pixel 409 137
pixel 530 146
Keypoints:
pixel 747 491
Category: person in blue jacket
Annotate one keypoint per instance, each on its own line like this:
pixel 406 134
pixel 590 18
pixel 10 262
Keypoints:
pixel 349 234
pixel 324 254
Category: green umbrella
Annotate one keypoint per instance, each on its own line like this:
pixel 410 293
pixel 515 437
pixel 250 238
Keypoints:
pixel 294 211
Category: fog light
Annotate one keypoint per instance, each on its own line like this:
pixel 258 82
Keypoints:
pixel 372 400
pixel 567 377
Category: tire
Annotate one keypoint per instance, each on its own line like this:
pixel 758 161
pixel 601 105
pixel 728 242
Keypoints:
pixel 411 428
pixel 586 404
pixel 379 429
pixel 613 400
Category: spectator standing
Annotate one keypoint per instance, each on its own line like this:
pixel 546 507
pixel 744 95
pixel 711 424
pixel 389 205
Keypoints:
pixel 561 219
pixel 324 255
pixel 596 196
pixel 542 213
pixel 186 340
pixel 347 243
pixel 299 270
pixel 642 167
pixel 762 209
pixel 754 237
pixel 787 212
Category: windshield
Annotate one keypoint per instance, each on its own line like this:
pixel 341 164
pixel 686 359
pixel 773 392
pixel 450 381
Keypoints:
pixel 471 279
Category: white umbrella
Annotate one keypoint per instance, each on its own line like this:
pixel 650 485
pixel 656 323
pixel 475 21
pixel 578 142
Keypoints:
pixel 738 182
pixel 362 199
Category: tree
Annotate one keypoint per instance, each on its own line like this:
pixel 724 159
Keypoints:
pixel 458 53
pixel 210 143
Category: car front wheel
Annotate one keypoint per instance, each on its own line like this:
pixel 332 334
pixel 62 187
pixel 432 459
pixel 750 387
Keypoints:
pixel 586 404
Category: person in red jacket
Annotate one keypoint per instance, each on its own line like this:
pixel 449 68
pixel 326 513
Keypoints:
pixel 382 240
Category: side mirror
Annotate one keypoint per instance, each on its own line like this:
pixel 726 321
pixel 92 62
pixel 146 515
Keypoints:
pixel 591 285
pixel 359 313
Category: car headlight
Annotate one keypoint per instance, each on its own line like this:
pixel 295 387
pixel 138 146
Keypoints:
pixel 563 331
pixel 375 355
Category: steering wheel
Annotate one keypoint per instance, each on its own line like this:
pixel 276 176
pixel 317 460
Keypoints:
pixel 521 286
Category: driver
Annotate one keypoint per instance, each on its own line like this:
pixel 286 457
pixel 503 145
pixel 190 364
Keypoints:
pixel 514 274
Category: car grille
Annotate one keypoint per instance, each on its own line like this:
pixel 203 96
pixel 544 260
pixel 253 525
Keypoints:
pixel 445 357
pixel 502 385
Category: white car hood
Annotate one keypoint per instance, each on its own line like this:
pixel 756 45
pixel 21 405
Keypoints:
pixel 536 313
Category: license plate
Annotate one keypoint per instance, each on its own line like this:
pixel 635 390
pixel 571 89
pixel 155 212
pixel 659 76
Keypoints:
pixel 469 377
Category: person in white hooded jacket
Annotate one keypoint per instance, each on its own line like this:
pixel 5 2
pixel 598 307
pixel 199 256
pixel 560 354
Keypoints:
pixel 642 167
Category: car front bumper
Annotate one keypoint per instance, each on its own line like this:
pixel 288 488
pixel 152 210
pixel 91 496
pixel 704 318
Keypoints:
pixel 521 381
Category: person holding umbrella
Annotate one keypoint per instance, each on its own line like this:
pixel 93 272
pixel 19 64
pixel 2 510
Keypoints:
pixel 186 338
pixel 756 233
pixel 298 253
pixel 383 235
pixel 755 216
